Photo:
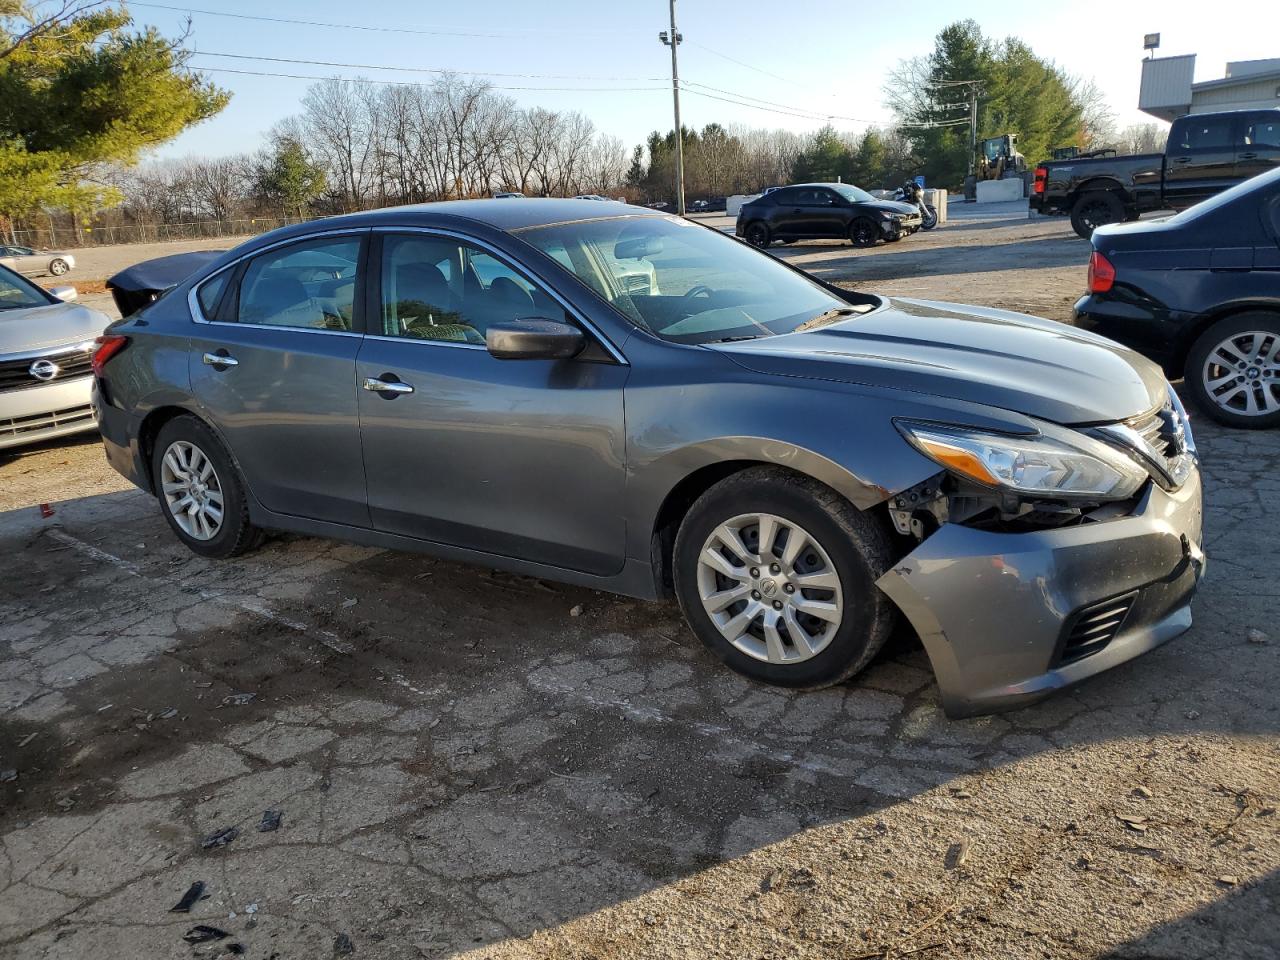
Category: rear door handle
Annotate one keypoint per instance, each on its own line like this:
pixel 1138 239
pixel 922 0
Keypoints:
pixel 220 360
pixel 1248 156
pixel 1182 160
pixel 374 385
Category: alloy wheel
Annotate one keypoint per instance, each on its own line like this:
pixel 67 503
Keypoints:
pixel 1242 373
pixel 758 235
pixel 192 491
pixel 770 588
pixel 58 267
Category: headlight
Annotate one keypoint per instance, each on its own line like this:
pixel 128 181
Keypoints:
pixel 1056 464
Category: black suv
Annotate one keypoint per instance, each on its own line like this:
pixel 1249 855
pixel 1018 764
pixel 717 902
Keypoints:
pixel 831 211
pixel 1199 293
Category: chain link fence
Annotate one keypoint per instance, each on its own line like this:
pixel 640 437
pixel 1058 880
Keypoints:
pixel 95 235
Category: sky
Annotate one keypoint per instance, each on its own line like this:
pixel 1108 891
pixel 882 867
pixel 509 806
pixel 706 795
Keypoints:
pixel 605 58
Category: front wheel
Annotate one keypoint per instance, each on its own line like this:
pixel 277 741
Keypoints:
pixel 776 575
pixel 864 232
pixel 757 234
pixel 200 490
pixel 58 267
pixel 1233 370
pixel 929 218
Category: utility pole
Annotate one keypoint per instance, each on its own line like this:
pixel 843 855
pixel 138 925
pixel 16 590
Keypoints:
pixel 973 125
pixel 673 41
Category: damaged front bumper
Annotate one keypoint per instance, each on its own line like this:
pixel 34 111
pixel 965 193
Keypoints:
pixel 1008 618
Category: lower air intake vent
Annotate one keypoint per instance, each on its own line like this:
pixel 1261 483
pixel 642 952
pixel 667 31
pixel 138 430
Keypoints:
pixel 1093 627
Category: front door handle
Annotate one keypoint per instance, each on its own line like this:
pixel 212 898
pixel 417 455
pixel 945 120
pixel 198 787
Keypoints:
pixel 1248 156
pixel 1182 160
pixel 386 386
pixel 223 359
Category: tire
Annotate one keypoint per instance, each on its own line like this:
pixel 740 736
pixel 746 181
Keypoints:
pixel 234 534
pixel 838 540
pixel 864 232
pixel 1095 209
pixel 929 219
pixel 58 267
pixel 758 234
pixel 1249 343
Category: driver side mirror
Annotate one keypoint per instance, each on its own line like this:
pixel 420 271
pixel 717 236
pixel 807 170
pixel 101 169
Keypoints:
pixel 534 338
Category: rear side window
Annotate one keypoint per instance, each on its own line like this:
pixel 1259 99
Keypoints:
pixel 787 195
pixel 210 292
pixel 309 285
pixel 1208 134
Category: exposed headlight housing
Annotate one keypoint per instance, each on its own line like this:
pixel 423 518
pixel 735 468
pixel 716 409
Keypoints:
pixel 1055 464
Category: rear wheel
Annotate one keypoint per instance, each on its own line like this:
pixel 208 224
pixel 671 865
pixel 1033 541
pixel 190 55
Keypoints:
pixel 864 232
pixel 58 267
pixel 1095 209
pixel 1233 370
pixel 776 575
pixel 757 234
pixel 200 490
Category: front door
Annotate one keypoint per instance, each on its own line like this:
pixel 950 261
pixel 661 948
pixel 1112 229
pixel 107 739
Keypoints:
pixel 1258 149
pixel 273 368
pixel 522 458
pixel 1200 159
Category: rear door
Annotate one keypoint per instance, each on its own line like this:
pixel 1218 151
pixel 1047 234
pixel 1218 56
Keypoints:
pixel 272 365
pixel 1258 146
pixel 789 216
pixel 523 458
pixel 1200 159
pixel 823 212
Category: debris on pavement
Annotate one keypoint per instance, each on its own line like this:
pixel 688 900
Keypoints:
pixel 350 602
pixel 238 699
pixel 204 934
pixel 1229 881
pixel 1134 823
pixel 1143 792
pixel 28 738
pixel 342 945
pixel 957 854
pixel 8 776
pixel 270 821
pixel 1257 636
pixel 220 839
pixel 46 511
pixel 193 894
pixel 576 610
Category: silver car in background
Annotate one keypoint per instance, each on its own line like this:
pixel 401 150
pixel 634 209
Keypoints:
pixel 29 261
pixel 45 361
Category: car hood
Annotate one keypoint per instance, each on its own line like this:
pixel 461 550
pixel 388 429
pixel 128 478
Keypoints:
pixel 34 328
pixel 1031 366
pixel 892 206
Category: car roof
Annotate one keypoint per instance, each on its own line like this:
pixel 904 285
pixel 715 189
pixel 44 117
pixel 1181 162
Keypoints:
pixel 512 213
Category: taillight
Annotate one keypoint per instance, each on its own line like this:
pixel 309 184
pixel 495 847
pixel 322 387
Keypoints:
pixel 1042 177
pixel 106 347
pixel 1101 273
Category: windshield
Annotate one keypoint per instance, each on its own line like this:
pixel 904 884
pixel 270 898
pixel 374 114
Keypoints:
pixel 852 193
pixel 681 281
pixel 17 292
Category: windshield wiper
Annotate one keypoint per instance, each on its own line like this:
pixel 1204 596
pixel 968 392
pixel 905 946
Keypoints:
pixel 822 319
pixel 745 336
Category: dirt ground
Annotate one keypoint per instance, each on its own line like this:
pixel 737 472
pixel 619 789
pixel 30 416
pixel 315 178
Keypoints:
pixel 471 764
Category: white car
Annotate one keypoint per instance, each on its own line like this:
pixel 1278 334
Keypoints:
pixel 25 260
pixel 46 347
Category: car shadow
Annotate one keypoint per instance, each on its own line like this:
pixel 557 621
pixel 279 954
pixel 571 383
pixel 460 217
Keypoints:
pixel 520 769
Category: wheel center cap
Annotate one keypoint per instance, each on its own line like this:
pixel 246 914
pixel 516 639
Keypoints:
pixel 1253 373
pixel 769 587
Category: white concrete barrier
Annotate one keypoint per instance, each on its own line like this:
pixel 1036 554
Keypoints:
pixel 999 191
pixel 733 204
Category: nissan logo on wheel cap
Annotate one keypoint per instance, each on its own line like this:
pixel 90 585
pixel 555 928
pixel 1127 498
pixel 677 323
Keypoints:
pixel 44 369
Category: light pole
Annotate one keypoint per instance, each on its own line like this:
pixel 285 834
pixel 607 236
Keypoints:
pixel 673 40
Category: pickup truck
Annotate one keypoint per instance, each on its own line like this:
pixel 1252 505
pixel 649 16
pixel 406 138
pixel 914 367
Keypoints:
pixel 1205 154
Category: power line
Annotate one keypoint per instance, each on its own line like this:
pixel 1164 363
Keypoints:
pixel 803 113
pixel 433 70
pixel 495 35
pixel 410 83
pixel 741 63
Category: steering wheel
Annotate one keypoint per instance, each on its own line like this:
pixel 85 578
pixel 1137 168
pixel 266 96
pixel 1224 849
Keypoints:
pixel 699 290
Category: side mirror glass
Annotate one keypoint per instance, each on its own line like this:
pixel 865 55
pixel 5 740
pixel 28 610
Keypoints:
pixel 63 293
pixel 534 338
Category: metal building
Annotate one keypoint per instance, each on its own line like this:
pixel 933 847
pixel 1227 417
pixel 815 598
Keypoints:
pixel 1168 88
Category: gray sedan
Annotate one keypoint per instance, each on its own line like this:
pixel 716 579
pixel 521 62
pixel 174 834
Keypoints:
pixel 798 464
pixel 29 261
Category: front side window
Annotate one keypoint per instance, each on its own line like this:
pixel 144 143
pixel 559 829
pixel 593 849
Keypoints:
pixel 309 285
pixel 1263 133
pixel 813 197
pixel 17 293
pixel 439 288
pixel 684 282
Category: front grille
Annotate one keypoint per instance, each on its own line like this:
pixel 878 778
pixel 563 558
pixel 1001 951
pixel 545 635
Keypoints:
pixel 1163 437
pixel 15 373
pixel 1091 628
pixel 1152 429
